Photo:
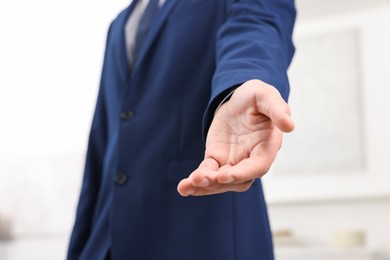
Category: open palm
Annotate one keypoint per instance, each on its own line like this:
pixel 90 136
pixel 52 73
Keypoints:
pixel 243 140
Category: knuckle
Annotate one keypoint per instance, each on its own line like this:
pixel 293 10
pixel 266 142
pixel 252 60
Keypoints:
pixel 264 169
pixel 243 187
pixel 199 174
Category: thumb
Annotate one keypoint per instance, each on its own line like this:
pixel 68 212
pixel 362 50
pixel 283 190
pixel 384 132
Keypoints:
pixel 270 103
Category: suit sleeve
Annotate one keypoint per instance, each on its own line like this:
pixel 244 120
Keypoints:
pixel 91 179
pixel 255 42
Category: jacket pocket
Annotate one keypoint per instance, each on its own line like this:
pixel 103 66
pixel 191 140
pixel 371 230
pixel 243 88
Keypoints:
pixel 179 170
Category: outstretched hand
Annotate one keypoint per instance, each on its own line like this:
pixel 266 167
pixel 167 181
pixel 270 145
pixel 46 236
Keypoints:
pixel 242 142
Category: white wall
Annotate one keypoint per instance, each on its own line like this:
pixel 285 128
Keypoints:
pixel 319 186
pixel 50 60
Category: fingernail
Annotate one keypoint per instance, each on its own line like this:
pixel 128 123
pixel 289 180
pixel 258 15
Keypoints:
pixel 190 192
pixel 204 183
pixel 229 180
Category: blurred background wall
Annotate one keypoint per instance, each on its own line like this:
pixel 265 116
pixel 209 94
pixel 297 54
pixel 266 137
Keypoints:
pixel 329 191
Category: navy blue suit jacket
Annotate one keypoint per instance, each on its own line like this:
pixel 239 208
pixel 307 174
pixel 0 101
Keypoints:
pixel 147 129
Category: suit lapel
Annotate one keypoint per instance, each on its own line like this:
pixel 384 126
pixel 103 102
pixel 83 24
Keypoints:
pixel 155 28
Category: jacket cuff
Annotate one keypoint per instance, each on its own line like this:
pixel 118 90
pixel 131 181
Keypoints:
pixel 214 105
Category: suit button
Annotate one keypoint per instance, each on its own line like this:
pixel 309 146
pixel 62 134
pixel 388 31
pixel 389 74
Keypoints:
pixel 127 115
pixel 121 178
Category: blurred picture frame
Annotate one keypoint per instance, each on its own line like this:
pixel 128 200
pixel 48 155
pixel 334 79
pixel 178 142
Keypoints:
pixel 340 89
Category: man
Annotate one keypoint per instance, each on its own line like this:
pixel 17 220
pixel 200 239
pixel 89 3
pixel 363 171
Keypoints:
pixel 174 74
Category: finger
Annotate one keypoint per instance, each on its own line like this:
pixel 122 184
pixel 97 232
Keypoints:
pixel 209 164
pixel 201 177
pixel 222 188
pixel 185 188
pixel 205 174
pixel 246 170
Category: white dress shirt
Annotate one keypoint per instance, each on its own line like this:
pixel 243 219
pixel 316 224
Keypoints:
pixel 132 25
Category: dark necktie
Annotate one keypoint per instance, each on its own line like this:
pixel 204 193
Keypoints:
pixel 144 26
